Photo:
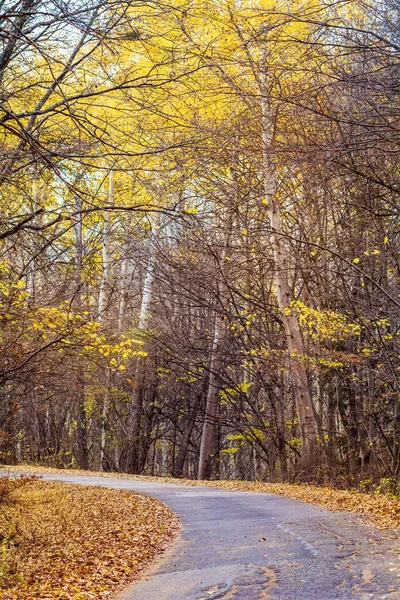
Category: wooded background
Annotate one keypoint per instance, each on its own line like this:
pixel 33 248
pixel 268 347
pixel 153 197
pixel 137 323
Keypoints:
pixel 199 267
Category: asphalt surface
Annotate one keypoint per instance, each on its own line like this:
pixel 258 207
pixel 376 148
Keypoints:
pixel 248 546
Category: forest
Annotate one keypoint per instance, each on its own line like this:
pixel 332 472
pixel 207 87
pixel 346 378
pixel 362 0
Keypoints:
pixel 199 249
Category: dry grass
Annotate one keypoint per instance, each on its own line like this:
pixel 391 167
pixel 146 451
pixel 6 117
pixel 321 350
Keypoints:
pixel 64 541
pixel 383 510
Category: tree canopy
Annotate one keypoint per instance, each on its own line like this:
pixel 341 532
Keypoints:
pixel 199 252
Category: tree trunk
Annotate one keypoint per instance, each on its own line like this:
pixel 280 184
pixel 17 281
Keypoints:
pixel 103 295
pixel 307 422
pixel 123 293
pixel 214 387
pixel 214 384
pixel 136 415
pixel 82 456
pixel 81 425
pixel 102 309
pixel 349 430
pixel 396 437
pixel 177 470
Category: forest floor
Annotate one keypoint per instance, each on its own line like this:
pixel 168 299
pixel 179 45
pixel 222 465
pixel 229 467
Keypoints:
pixel 243 545
pixel 59 540
pixel 381 509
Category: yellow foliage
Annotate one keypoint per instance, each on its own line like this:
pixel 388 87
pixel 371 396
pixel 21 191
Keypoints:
pixel 324 325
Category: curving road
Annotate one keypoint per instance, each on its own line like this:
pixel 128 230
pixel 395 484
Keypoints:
pixel 248 546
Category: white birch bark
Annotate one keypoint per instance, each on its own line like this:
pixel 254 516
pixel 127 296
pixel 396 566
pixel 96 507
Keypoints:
pixel 81 425
pixel 148 286
pixel 144 322
pixel 214 386
pixel 123 292
pixel 124 278
pixel 102 305
pixel 37 198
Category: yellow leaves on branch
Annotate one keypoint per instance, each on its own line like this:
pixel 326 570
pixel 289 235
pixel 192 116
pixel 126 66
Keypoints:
pixel 322 329
pixel 61 326
pixel 229 394
pixel 323 325
pixel 76 542
pixel 76 328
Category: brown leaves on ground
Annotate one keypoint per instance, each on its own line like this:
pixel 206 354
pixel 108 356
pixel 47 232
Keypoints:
pixel 383 510
pixel 75 542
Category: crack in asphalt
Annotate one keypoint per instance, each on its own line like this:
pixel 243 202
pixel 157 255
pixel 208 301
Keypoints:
pixel 307 546
pixel 256 582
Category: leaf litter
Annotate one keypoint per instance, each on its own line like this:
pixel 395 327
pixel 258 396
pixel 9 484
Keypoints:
pixel 71 542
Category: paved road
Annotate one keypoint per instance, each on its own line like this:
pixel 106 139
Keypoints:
pixel 248 546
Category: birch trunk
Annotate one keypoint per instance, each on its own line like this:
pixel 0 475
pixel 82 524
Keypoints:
pixel 148 286
pixel 135 458
pixel 102 308
pixel 37 197
pixel 123 292
pixel 307 422
pixel 124 277
pixel 214 386
pixel 81 424
pixel 106 252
